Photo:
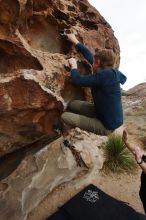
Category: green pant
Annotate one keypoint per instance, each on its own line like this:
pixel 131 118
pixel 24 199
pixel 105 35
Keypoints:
pixel 82 115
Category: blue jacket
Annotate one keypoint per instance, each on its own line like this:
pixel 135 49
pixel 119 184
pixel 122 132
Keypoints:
pixel 106 91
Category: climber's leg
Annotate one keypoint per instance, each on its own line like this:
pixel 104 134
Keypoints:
pixel 86 123
pixel 82 107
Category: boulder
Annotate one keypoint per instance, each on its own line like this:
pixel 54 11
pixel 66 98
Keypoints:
pixel 38 173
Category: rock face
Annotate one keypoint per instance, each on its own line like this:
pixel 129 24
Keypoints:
pixel 39 173
pixel 34 84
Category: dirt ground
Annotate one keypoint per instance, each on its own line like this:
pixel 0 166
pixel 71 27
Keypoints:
pixel 124 187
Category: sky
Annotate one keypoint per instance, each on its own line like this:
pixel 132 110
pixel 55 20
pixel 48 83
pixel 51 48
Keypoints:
pixel 128 20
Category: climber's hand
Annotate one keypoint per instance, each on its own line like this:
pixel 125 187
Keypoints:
pixel 72 38
pixel 73 63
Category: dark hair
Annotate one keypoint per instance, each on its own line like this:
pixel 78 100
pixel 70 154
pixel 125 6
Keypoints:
pixel 106 57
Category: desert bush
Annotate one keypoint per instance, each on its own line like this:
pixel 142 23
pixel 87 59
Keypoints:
pixel 124 93
pixel 118 157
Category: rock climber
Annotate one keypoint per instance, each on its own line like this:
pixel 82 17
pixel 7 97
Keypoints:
pixel 105 114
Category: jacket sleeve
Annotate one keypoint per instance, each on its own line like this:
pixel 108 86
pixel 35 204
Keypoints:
pixel 86 52
pixel 85 81
pixel 123 78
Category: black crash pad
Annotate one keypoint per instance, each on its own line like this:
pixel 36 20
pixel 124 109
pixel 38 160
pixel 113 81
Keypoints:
pixel 93 204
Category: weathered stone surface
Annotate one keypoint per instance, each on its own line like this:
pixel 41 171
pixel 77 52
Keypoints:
pixel 39 173
pixel 26 111
pixel 35 86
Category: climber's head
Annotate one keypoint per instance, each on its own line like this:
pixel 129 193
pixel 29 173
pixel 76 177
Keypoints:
pixel 103 59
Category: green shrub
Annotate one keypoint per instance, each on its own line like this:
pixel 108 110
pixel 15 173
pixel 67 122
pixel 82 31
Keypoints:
pixel 118 157
pixel 123 92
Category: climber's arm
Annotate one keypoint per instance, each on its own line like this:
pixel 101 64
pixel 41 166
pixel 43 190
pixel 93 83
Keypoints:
pixel 84 50
pixel 136 151
pixel 87 80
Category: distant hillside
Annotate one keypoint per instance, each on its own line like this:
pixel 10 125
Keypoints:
pixel 134 104
pixel 138 90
